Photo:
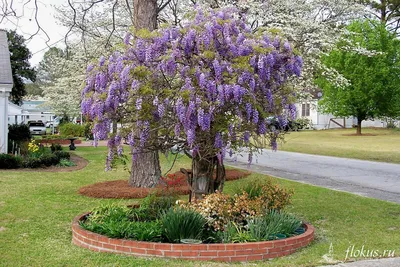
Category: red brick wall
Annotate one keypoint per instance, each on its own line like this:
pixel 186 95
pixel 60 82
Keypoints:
pixel 216 252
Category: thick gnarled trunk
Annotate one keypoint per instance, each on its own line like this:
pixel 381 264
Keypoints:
pixel 145 171
pixel 208 176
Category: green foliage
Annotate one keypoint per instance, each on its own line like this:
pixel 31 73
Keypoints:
pixel 301 123
pixel 273 224
pixel 88 130
pixel 235 234
pixel 374 77
pixel 62 155
pixel 8 161
pixel 152 207
pixel 55 147
pixel 180 223
pixel 250 200
pixel 49 159
pixel 72 130
pixel 65 163
pixel 115 221
pixel 19 133
pixel 20 66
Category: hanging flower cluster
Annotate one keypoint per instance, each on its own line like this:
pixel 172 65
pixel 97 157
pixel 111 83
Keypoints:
pixel 210 87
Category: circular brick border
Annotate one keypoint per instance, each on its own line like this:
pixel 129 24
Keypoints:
pixel 206 252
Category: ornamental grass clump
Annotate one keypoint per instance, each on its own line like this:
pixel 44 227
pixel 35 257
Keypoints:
pixel 273 225
pixel 179 224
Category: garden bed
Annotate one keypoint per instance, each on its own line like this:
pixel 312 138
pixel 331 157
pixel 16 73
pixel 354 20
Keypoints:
pixel 121 188
pixel 231 252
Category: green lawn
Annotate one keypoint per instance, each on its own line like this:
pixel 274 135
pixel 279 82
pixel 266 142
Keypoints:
pixel 37 209
pixel 382 146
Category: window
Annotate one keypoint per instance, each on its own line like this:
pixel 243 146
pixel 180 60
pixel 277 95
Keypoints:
pixel 305 110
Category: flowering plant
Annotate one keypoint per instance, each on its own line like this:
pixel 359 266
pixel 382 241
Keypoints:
pixel 207 88
pixel 33 147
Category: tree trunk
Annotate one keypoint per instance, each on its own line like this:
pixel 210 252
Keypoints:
pixel 145 171
pixel 359 126
pixel 145 14
pixel 203 181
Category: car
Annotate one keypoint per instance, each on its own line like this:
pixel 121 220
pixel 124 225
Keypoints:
pixel 54 123
pixel 37 127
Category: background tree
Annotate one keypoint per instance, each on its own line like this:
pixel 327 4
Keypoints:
pixel 387 11
pixel 20 66
pixel 368 57
pixel 207 88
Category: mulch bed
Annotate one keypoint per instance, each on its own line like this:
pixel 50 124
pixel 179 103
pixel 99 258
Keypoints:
pixel 121 188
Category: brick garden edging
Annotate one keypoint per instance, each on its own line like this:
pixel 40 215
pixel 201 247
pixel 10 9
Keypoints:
pixel 206 252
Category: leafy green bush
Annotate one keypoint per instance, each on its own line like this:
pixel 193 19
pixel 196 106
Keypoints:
pixel 19 132
pixel 180 223
pixel 72 129
pixel 65 163
pixel 273 223
pixel 62 155
pixel 152 207
pixel 114 221
pixel 301 123
pixel 272 196
pixel 49 159
pixel 88 130
pixel 8 161
pixel 55 147
pixel 32 162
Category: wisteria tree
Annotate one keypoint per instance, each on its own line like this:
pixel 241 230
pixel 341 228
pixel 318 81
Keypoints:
pixel 207 88
pixel 312 27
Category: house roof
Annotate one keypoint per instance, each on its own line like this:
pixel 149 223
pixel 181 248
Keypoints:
pixel 5 64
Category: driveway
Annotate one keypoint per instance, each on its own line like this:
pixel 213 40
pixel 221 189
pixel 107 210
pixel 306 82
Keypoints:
pixel 366 178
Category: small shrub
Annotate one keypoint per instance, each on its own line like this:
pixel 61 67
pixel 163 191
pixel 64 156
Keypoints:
pixel 8 161
pixel 19 132
pixel 250 201
pixel 180 223
pixel 233 233
pixel 88 130
pixel 300 124
pixel 114 221
pixel 65 163
pixel 272 196
pixel 273 223
pixel 152 207
pixel 32 162
pixel 55 147
pixel 62 155
pixel 49 159
pixel 73 130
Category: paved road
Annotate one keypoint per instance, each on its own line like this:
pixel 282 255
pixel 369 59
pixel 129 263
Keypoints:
pixel 366 178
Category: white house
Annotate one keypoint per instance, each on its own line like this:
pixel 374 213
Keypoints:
pixel 6 84
pixel 320 121
pixel 15 114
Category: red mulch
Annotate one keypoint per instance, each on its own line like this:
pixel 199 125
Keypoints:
pixel 121 188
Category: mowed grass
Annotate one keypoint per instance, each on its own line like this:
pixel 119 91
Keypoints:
pixel 383 145
pixel 36 210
